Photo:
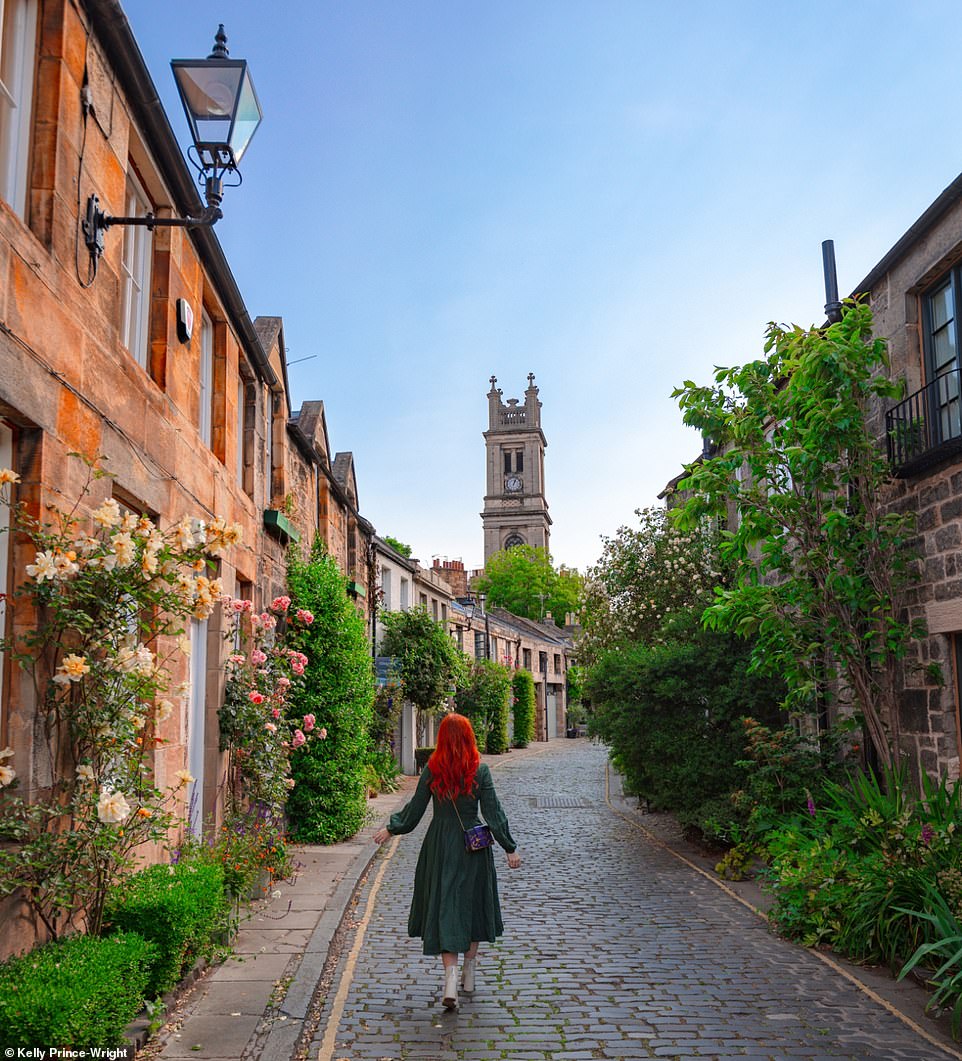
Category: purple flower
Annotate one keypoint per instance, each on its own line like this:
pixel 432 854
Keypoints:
pixel 810 803
pixel 927 833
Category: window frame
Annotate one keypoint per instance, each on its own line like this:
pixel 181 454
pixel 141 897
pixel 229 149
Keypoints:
pixel 18 48
pixel 205 406
pixel 948 397
pixel 136 267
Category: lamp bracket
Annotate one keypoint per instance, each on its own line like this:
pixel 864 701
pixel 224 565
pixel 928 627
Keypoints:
pixel 96 222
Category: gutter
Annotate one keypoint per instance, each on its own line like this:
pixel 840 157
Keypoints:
pixel 123 53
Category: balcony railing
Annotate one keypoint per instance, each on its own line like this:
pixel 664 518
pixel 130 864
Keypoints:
pixel 926 427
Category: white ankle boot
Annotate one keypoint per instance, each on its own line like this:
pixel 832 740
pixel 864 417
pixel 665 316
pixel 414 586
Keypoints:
pixel 450 999
pixel 467 975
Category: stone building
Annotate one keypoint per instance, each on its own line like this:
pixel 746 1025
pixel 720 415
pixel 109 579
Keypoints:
pixel 915 296
pixel 515 508
pixel 104 362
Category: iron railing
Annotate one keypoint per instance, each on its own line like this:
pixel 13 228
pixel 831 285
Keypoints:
pixel 926 427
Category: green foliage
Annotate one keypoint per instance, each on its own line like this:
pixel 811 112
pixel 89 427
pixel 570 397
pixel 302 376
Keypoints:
pixel 398 547
pixel 81 991
pixel 943 953
pixel 822 560
pixel 421 756
pixel 430 664
pixel 670 714
pixel 179 908
pixel 523 580
pixel 329 800
pixel 646 575
pixel 523 707
pixel 484 698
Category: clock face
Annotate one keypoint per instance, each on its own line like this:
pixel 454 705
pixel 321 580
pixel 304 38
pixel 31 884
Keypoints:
pixel 512 483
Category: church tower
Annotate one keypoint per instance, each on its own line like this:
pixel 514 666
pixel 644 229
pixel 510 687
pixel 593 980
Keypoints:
pixel 515 509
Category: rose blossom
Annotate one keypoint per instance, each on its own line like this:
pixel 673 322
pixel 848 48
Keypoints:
pixel 305 616
pixel 298 740
pixel 270 727
pixel 255 697
pixel 276 713
pixel 309 721
pixel 280 604
pixel 258 657
pixel 112 807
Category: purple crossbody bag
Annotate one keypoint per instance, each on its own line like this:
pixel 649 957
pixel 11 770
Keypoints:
pixel 478 837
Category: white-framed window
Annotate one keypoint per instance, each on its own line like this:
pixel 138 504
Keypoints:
pixel 405 601
pixel 18 46
pixel 385 587
pixel 205 400
pixel 6 461
pixel 135 273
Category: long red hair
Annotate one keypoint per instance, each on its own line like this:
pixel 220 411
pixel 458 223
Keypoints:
pixel 454 762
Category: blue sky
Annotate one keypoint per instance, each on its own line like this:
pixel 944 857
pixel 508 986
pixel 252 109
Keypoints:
pixel 616 195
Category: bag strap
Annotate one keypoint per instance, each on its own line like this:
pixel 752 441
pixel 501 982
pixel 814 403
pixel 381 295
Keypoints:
pixel 454 803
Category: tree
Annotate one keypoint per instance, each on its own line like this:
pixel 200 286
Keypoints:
pixel 823 562
pixel 329 799
pixel 484 698
pixel 398 547
pixel 646 574
pixel 523 580
pixel 428 662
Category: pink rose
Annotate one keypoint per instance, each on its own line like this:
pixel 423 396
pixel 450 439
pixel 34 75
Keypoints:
pixel 280 604
pixel 283 683
pixel 258 657
pixel 309 721
pixel 235 659
pixel 255 697
pixel 298 740
pixel 305 616
pixel 270 727
pixel 276 713
pixel 322 733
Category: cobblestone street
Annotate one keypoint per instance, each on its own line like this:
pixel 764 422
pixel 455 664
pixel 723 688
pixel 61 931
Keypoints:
pixel 613 948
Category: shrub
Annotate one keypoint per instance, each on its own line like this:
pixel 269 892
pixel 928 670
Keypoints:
pixel 484 700
pixel 82 991
pixel 329 800
pixel 178 908
pixel 522 688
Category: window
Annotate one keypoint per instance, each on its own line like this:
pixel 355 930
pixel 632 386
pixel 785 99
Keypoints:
pixel 205 401
pixel 942 357
pixel 434 608
pixel 245 436
pixel 526 658
pixel 543 662
pixel 513 540
pixel 479 644
pixel 557 663
pixel 444 613
pixel 459 637
pixel 135 274
pixel 507 460
pixel 519 460
pixel 405 594
pixel 18 45
pixel 423 600
pixel 385 587
pixel 6 461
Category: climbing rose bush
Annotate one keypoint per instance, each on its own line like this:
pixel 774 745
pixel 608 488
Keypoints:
pixel 101 631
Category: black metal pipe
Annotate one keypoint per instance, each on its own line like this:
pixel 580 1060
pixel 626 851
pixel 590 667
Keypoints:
pixel 833 308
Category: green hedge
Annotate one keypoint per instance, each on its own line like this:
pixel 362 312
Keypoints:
pixel 178 908
pixel 82 991
pixel 522 690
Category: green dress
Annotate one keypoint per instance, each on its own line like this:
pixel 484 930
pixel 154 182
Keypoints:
pixel 455 899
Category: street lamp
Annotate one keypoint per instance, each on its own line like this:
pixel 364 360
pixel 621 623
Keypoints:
pixel 223 113
pixel 471 606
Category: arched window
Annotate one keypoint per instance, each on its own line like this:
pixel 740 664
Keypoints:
pixel 512 540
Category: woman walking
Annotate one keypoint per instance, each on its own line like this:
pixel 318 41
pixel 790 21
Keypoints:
pixel 455 903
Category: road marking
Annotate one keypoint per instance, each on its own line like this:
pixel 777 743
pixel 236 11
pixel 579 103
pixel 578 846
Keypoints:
pixel 326 1053
pixel 830 962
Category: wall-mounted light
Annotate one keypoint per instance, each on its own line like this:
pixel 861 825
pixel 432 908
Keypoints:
pixel 223 112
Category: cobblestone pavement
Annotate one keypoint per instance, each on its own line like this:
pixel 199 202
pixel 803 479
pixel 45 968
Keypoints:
pixel 613 949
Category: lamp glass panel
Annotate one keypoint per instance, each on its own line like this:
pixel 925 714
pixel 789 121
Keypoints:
pixel 248 117
pixel 209 93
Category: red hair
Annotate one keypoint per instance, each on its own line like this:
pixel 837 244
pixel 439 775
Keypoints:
pixel 454 762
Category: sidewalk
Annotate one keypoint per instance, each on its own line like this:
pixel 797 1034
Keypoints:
pixel 256 1005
